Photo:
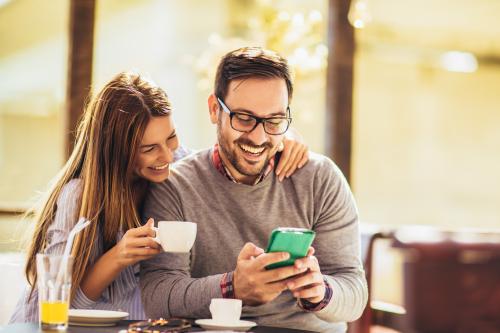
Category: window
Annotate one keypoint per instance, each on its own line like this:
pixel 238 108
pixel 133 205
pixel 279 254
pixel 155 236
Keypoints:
pixel 426 117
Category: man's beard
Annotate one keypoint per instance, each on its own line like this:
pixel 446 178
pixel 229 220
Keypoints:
pixel 236 162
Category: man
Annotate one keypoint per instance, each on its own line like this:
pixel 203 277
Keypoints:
pixel 232 194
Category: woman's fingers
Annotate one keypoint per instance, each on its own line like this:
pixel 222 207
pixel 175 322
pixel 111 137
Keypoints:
pixel 143 231
pixel 305 157
pixel 142 242
pixel 293 164
pixel 147 229
pixel 294 156
pixel 141 251
pixel 285 165
pixel 302 158
pixel 285 155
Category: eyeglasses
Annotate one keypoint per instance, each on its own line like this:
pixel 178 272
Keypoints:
pixel 159 326
pixel 244 122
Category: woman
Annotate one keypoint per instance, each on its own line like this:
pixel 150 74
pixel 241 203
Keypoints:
pixel 125 140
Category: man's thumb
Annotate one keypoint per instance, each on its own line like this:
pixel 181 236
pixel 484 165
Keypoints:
pixel 249 251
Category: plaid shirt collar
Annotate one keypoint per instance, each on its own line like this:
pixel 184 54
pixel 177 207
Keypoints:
pixel 219 165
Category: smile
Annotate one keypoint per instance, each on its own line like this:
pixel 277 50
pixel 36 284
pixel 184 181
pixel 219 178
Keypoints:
pixel 251 150
pixel 160 167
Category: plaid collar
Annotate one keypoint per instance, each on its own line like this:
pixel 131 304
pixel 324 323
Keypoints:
pixel 219 165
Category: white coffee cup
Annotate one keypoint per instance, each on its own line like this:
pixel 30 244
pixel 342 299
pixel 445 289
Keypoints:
pixel 225 311
pixel 175 236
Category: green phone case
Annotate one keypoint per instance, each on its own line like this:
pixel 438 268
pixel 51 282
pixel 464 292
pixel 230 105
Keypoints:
pixel 295 241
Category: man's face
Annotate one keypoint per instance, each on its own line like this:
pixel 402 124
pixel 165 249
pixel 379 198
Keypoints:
pixel 247 154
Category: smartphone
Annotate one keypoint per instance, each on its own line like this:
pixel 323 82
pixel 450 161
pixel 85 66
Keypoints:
pixel 295 241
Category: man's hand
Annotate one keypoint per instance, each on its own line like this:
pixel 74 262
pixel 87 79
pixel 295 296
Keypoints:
pixel 309 286
pixel 255 285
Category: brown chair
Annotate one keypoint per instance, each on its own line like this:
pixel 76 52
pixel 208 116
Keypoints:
pixel 378 317
pixel 451 283
pixel 451 280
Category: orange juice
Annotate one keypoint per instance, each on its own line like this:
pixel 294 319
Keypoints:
pixel 54 312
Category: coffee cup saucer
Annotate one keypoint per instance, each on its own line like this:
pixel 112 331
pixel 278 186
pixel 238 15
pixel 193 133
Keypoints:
pixel 240 325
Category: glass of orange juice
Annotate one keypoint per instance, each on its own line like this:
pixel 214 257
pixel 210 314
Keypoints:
pixel 54 287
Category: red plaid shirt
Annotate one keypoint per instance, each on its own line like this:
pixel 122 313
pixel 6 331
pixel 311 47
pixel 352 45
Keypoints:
pixel 226 283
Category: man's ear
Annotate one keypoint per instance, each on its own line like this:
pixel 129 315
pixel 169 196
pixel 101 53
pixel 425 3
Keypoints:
pixel 213 108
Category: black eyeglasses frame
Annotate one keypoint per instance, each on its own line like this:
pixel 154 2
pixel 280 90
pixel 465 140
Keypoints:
pixel 258 120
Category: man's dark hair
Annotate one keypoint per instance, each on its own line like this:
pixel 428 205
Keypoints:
pixel 251 62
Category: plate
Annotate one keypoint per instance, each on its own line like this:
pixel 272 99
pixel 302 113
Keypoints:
pixel 240 325
pixel 81 317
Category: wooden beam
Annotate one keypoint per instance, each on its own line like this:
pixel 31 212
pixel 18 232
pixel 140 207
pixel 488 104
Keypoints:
pixel 80 54
pixel 11 210
pixel 339 85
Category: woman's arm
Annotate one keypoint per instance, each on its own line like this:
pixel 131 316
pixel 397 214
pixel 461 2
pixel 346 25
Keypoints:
pixel 136 245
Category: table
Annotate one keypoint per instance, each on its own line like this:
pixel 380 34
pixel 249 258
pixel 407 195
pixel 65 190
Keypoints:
pixel 34 328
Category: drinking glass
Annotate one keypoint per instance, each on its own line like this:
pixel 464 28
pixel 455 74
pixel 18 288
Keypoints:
pixel 54 287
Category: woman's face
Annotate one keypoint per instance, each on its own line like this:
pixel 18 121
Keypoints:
pixel 156 150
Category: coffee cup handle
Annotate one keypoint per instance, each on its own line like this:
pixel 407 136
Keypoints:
pixel 211 308
pixel 156 239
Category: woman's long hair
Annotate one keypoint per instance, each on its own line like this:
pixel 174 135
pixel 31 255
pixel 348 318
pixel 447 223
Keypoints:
pixel 107 142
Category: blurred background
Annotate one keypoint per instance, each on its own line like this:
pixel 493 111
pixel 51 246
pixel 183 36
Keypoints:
pixel 425 100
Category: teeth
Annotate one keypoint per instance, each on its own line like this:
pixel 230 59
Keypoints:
pixel 251 149
pixel 160 167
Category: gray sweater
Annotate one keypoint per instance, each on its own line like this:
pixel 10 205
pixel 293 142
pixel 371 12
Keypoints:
pixel 228 215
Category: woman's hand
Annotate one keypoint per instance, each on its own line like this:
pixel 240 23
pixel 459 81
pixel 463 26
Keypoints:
pixel 137 244
pixel 295 154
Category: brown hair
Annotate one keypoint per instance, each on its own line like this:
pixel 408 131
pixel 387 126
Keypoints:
pixel 103 158
pixel 250 62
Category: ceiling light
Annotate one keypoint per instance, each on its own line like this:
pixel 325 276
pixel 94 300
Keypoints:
pixel 457 61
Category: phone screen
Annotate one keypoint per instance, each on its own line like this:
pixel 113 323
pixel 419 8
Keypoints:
pixel 295 241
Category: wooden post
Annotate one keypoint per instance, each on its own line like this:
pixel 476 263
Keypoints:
pixel 339 83
pixel 80 54
pixel 338 119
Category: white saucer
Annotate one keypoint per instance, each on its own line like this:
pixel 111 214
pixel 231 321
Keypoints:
pixel 240 325
pixel 81 317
